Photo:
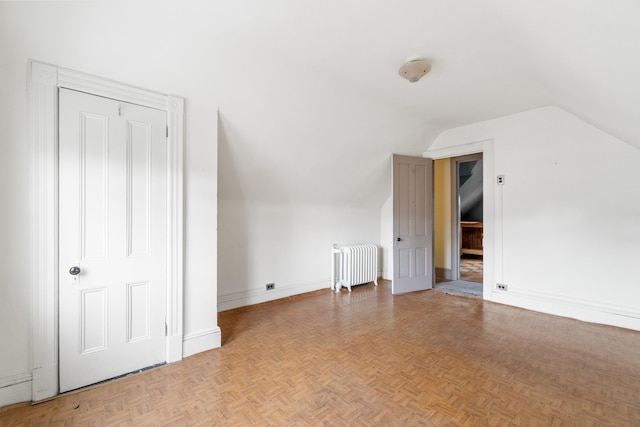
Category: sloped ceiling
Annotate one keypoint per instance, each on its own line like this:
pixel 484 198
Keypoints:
pixel 309 98
pixel 328 74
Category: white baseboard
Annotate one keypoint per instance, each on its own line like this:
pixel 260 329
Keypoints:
pixel 174 348
pixel 18 388
pixel 201 341
pixel 45 382
pixel 15 389
pixel 575 308
pixel 256 296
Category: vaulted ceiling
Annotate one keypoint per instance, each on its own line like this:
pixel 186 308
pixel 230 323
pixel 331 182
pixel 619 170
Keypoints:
pixel 309 98
pixel 328 72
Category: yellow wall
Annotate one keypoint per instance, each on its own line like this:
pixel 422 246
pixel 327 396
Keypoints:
pixel 442 213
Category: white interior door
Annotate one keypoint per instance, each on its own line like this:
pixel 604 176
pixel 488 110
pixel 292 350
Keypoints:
pixel 413 268
pixel 112 230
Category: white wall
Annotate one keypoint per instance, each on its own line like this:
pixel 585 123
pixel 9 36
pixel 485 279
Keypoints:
pixel 386 238
pixel 15 236
pixel 83 37
pixel 303 165
pixel 567 218
pixel 283 243
pixel 280 208
pixel 293 180
pixel 304 152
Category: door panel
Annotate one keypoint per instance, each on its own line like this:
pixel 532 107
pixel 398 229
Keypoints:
pixel 138 188
pixel 93 191
pixel 138 311
pixel 412 224
pixel 93 320
pixel 112 225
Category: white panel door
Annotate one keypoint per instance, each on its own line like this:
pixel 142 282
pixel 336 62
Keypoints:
pixel 112 229
pixel 413 268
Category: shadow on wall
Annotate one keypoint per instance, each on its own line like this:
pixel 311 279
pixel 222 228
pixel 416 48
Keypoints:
pixel 471 200
pixel 232 221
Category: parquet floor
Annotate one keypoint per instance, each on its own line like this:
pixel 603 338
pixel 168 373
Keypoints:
pixel 471 269
pixel 372 359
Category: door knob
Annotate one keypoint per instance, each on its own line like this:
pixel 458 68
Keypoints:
pixel 74 270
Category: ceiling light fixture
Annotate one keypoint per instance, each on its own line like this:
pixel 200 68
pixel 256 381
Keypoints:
pixel 414 69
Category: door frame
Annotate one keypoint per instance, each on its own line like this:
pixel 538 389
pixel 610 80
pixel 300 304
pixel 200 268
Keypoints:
pixel 44 80
pixel 455 209
pixel 492 226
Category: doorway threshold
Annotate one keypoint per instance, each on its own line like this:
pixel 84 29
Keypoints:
pixel 460 287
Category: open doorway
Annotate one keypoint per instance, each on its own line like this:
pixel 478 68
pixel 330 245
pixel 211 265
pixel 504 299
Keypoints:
pixel 470 217
pixel 458 224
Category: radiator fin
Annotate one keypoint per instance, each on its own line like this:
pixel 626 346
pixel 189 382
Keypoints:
pixel 354 265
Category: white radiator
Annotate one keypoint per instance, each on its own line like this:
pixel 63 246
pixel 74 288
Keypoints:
pixel 353 265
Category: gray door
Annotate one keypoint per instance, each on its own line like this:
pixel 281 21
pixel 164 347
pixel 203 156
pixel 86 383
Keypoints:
pixel 413 268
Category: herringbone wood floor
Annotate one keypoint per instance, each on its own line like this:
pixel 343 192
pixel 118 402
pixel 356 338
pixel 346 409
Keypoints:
pixel 370 358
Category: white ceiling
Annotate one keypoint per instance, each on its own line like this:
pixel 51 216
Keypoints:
pixel 489 59
pixel 311 105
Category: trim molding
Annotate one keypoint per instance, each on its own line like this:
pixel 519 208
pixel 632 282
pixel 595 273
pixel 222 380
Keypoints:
pixel 94 85
pixel 175 227
pixel 14 380
pixel 14 389
pixel 455 151
pixel 202 341
pixel 256 296
pixel 44 80
pixel 492 219
pixel 560 305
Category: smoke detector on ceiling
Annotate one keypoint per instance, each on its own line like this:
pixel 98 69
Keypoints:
pixel 414 69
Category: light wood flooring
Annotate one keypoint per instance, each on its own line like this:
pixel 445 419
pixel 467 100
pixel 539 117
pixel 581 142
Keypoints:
pixel 471 269
pixel 369 358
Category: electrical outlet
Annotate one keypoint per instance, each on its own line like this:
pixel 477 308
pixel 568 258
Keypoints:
pixel 500 179
pixel 501 286
pixel 271 286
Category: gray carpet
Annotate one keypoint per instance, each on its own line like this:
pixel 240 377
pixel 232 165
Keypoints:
pixel 460 287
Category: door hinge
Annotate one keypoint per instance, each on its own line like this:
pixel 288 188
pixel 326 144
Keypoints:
pixel 166 330
pixel 167 131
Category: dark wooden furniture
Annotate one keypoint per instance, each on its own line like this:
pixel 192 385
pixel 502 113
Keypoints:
pixel 471 235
